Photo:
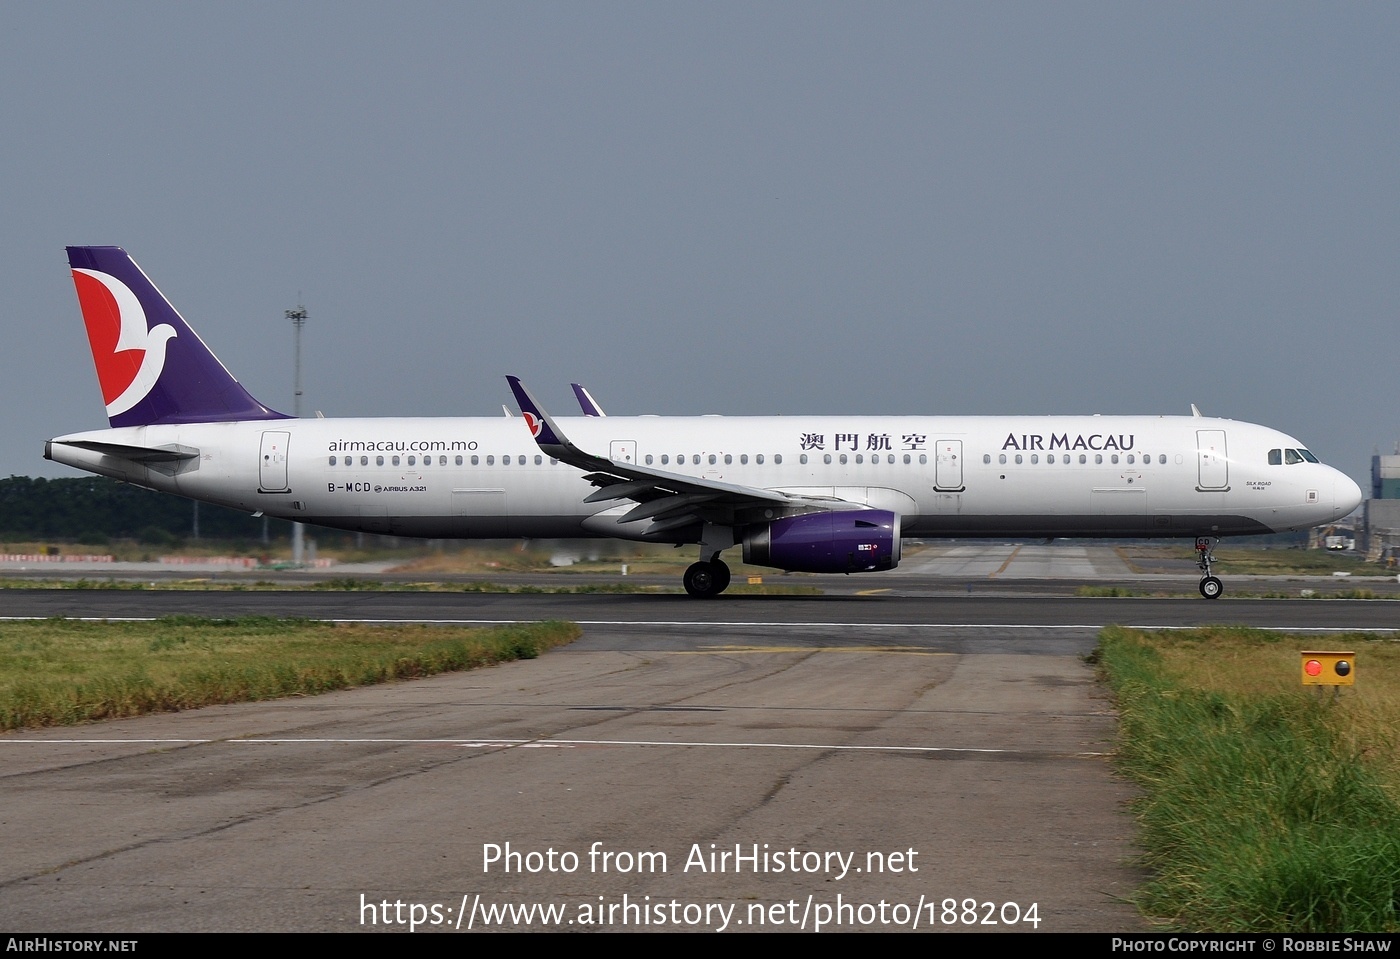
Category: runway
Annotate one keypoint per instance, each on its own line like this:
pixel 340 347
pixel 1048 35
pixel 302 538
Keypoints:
pixel 847 761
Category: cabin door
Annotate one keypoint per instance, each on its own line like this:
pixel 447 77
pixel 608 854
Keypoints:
pixel 272 466
pixel 948 469
pixel 1212 461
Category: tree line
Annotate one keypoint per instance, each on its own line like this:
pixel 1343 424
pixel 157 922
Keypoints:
pixel 94 509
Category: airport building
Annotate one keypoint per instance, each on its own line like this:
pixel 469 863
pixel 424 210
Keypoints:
pixel 1380 524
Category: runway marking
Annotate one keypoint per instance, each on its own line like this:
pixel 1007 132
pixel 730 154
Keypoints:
pixel 1002 568
pixel 912 650
pixel 476 743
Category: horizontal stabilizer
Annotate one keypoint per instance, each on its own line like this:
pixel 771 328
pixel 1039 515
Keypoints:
pixel 138 454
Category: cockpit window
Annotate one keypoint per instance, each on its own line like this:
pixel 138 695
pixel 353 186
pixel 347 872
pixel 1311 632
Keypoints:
pixel 1308 456
pixel 1275 457
pixel 1290 457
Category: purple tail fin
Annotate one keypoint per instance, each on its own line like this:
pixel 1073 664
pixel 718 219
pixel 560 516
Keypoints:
pixel 152 367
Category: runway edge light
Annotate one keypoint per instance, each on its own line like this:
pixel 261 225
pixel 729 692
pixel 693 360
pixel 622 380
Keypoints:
pixel 1328 668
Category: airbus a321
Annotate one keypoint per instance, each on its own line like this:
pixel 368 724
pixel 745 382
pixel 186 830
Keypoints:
pixel 819 494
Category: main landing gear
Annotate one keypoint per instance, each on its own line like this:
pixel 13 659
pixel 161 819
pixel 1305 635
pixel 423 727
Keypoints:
pixel 710 577
pixel 706 579
pixel 1211 587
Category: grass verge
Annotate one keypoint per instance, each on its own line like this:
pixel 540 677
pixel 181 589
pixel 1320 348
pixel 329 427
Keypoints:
pixel 57 672
pixel 367 584
pixel 1266 809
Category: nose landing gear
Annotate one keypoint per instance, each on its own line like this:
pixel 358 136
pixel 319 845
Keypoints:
pixel 1211 587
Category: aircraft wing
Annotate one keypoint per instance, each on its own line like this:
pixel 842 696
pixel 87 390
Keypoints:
pixel 669 500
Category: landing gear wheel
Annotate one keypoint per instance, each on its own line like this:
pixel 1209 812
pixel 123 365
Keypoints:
pixel 721 575
pixel 706 580
pixel 1211 587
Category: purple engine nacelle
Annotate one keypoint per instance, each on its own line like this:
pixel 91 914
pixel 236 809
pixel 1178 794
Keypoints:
pixel 845 541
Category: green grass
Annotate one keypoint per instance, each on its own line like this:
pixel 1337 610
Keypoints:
pixel 58 672
pixel 1257 560
pixel 1266 809
pixel 367 584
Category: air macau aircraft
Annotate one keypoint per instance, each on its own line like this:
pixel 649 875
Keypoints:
pixel 819 494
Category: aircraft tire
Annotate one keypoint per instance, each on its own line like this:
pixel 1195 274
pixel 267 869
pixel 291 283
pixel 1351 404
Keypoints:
pixel 701 581
pixel 721 572
pixel 1212 587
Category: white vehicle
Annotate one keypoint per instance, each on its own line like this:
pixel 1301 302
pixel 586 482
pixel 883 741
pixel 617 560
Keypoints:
pixel 825 494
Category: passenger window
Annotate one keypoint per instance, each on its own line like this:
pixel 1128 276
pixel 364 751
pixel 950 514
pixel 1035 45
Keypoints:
pixel 1083 459
pixel 986 457
pixel 923 459
pixel 539 460
pixel 778 459
pixel 906 459
pixel 758 459
pixel 827 459
pixel 1018 459
pixel 364 460
pixel 1098 458
pixel 332 460
pixel 696 459
pixel 891 459
pixel 743 459
pixel 348 460
pixel 1000 459
pixel 801 459
pixel 476 460
pixel 459 460
pixel 490 460
pixel 859 458
pixel 712 459
pixel 1035 458
pixel 728 459
pixel 1113 459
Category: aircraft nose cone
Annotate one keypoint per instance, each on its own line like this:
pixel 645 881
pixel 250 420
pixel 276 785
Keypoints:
pixel 1346 495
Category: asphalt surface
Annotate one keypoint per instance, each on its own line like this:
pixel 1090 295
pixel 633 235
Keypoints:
pixel 917 758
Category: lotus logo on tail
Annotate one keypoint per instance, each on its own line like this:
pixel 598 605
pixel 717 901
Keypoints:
pixel 129 357
pixel 534 422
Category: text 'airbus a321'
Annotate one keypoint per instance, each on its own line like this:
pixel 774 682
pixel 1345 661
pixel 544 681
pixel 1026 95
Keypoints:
pixel 820 494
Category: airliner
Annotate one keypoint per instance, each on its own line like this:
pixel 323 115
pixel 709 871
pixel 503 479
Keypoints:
pixel 819 494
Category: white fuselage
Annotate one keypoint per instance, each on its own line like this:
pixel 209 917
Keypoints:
pixel 945 476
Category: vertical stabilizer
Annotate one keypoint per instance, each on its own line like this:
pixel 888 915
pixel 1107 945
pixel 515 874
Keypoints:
pixel 151 366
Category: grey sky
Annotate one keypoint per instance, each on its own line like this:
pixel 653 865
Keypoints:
pixel 731 208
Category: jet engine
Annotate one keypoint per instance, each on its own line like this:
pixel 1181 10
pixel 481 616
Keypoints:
pixel 845 541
